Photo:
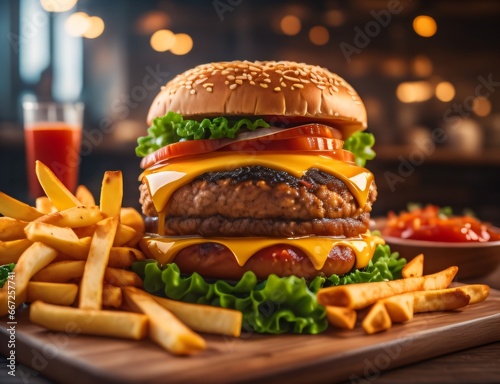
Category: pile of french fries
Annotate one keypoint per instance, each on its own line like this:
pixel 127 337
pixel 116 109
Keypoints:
pixel 72 264
pixel 381 304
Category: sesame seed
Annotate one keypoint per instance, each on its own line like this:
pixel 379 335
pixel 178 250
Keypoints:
pixel 255 69
pixel 291 78
pixel 252 82
pixel 226 82
pixel 209 89
pixel 335 88
pixel 208 85
pixel 283 84
pixel 298 85
pixel 238 81
pixel 225 72
pixel 267 80
pixel 277 89
pixel 233 86
pixel 321 86
pixel 231 77
pixel 192 91
pixel 242 77
pixel 263 85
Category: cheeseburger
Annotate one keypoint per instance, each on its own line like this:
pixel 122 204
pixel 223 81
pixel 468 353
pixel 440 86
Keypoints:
pixel 251 182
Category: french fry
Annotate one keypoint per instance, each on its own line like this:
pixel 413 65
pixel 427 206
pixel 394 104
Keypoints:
pixel 93 275
pixel 11 251
pixel 358 296
pixel 85 231
pixel 439 300
pixel 58 194
pixel 414 268
pixel 477 292
pixel 112 193
pixel 12 229
pixel 16 209
pixel 123 257
pixel 31 261
pixel 129 216
pixel 61 272
pixel 84 196
pixel 122 278
pixel 44 205
pixel 400 307
pixel 204 318
pixel 111 296
pixel 61 238
pixel 377 319
pixel 125 235
pixel 125 325
pixel 74 217
pixel 164 328
pixel 52 293
pixel 341 317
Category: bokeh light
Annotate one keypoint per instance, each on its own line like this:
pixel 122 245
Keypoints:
pixel 422 66
pixel 445 91
pixel 162 40
pixel 95 27
pixel 290 25
pixel 57 5
pixel 425 26
pixel 414 91
pixel 481 106
pixel 77 23
pixel 319 35
pixel 183 44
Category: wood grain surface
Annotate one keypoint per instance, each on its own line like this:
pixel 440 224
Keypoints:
pixel 332 356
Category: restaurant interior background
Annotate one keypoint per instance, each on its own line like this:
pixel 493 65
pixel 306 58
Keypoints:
pixel 427 71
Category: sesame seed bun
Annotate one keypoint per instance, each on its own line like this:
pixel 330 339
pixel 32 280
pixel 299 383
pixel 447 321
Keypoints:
pixel 263 88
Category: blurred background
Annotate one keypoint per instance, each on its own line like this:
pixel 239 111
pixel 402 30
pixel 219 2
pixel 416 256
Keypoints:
pixel 427 71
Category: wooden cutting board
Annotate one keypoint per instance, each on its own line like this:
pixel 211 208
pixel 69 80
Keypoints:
pixel 331 356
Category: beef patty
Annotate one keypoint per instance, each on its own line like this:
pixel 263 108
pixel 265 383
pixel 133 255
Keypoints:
pixel 258 201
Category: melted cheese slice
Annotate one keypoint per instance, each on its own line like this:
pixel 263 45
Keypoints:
pixel 164 180
pixel 164 249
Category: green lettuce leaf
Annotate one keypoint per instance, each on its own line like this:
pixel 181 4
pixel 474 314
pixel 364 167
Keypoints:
pixel 4 272
pixel 360 144
pixel 172 128
pixel 275 305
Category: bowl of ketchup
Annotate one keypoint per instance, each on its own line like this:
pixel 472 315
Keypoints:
pixel 444 239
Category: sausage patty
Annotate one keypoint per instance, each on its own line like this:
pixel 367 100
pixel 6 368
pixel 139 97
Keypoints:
pixel 216 261
pixel 258 201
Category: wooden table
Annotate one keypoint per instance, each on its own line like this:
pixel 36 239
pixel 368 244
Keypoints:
pixel 478 365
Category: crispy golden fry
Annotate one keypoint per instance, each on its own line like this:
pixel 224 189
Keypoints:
pixel 16 209
pixel 111 296
pixel 61 272
pixel 122 278
pixel 52 293
pixel 132 218
pixel 164 328
pixel 44 205
pixel 85 231
pixel 126 235
pixel 414 268
pixel 75 217
pixel 61 238
pixel 85 196
pixel 361 295
pixel 123 257
pixel 377 319
pixel 341 317
pixel 103 323
pixel 477 292
pixel 31 261
pixel 11 251
pixel 58 194
pixel 93 275
pixel 400 307
pixel 439 300
pixel 112 193
pixel 12 229
pixel 204 318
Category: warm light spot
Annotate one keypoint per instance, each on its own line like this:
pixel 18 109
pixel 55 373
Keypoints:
pixel 57 5
pixel 183 44
pixel 334 18
pixel 422 66
pixel 394 67
pixel 77 24
pixel 152 21
pixel 413 92
pixel 290 25
pixel 319 35
pixel 481 106
pixel 445 91
pixel 162 40
pixel 425 26
pixel 95 28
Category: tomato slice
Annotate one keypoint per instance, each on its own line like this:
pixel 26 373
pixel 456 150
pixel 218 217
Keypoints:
pixel 313 137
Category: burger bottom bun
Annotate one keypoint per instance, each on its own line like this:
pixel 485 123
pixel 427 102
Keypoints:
pixel 217 262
